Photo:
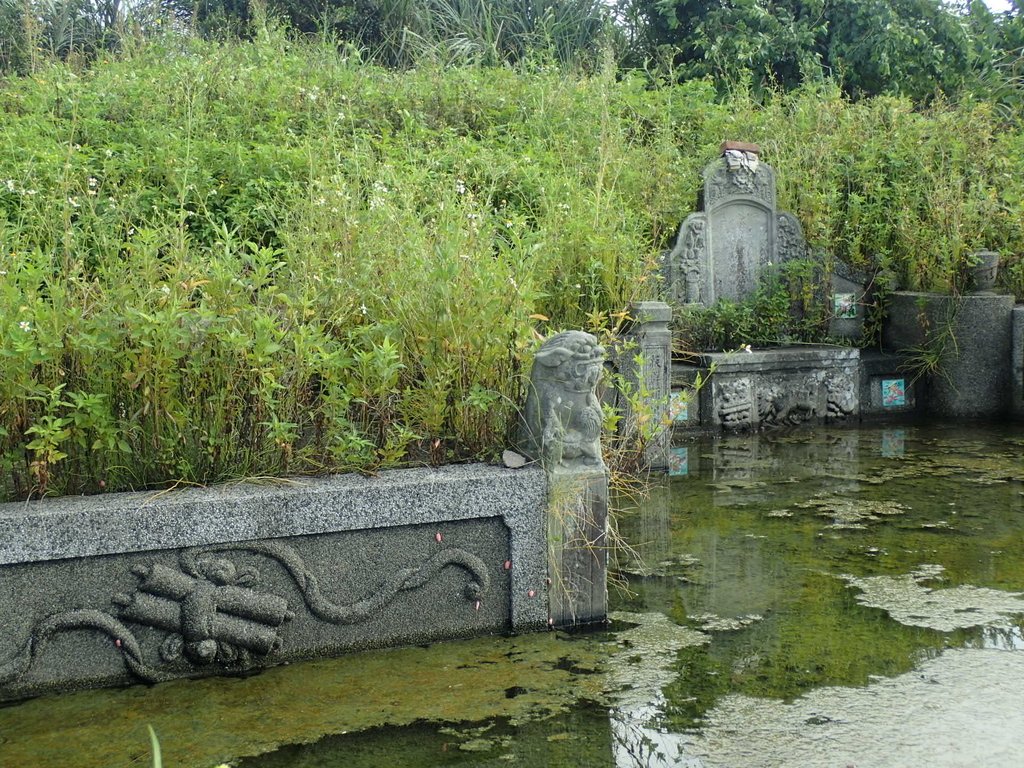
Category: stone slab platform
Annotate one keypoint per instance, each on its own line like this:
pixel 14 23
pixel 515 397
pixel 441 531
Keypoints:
pixel 969 337
pixel 775 387
pixel 136 587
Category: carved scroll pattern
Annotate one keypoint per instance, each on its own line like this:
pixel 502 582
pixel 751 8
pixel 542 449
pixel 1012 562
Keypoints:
pixel 757 182
pixel 212 615
pixel 790 243
pixel 694 246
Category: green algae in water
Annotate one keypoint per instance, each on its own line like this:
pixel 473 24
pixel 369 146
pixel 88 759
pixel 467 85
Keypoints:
pixel 784 589
pixel 205 722
pixel 820 519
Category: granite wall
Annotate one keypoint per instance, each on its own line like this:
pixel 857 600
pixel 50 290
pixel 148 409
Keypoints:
pixel 144 587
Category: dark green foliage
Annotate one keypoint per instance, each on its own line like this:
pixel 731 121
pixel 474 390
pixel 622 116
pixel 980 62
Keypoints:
pixel 916 48
pixel 788 307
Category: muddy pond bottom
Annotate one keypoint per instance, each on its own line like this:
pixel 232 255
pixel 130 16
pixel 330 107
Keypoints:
pixel 817 598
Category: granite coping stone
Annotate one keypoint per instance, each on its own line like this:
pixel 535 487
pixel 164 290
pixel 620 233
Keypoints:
pixel 69 527
pixel 775 359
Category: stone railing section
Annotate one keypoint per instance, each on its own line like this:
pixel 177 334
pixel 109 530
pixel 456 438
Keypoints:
pixel 139 587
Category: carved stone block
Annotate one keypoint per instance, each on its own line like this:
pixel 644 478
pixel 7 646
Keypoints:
pixel 776 388
pixel 144 588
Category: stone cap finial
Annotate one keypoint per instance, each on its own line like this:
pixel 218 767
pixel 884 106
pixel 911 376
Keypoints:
pixel 739 146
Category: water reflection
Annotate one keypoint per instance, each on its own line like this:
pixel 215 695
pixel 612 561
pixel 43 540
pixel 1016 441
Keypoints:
pixel 781 591
pixel 1002 638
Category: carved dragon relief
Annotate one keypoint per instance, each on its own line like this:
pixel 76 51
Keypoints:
pixel 212 613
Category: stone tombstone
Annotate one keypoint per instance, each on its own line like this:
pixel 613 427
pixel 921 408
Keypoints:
pixel 721 252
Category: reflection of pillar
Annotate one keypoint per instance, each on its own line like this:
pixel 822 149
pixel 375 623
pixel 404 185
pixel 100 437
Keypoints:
pixel 654 542
pixel 645 360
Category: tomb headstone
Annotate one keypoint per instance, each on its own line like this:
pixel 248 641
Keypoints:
pixel 721 252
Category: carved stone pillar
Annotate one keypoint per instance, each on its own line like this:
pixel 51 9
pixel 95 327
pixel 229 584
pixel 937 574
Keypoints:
pixel 563 431
pixel 645 360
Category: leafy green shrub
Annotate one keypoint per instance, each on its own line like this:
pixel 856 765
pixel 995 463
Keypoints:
pixel 235 260
pixel 788 307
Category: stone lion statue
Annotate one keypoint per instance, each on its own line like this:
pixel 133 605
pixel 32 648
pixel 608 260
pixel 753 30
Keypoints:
pixel 563 414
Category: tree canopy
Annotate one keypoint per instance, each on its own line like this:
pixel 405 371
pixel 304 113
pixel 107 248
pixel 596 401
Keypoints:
pixel 916 48
pixel 912 47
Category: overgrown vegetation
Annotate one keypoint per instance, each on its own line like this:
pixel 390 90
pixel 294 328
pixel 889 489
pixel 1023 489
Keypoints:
pixel 788 306
pixel 236 260
pixel 241 259
pixel 915 48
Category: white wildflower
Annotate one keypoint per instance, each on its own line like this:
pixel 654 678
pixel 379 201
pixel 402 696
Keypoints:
pixel 25 325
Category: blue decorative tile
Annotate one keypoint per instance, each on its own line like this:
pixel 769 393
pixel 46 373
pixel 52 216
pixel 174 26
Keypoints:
pixel 894 393
pixel 679 407
pixel 892 442
pixel 844 306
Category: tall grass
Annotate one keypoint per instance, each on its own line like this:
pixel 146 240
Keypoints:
pixel 237 260
pixel 227 260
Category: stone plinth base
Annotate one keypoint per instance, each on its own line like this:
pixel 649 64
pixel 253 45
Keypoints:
pixel 775 387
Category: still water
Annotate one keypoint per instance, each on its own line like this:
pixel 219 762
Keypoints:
pixel 816 598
